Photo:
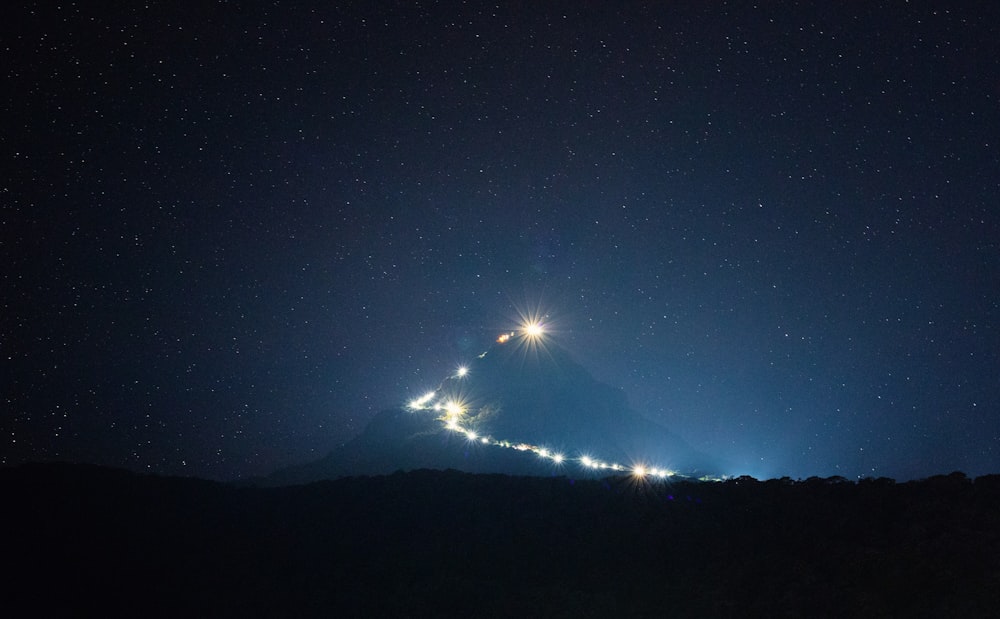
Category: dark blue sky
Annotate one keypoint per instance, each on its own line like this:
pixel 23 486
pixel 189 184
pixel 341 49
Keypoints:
pixel 234 232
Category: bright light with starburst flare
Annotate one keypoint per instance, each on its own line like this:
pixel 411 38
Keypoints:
pixel 454 410
pixel 533 329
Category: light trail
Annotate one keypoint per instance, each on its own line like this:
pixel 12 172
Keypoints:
pixel 453 413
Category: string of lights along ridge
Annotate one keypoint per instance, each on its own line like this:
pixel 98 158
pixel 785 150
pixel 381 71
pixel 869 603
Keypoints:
pixel 453 412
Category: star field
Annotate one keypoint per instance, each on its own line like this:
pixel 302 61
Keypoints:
pixel 234 232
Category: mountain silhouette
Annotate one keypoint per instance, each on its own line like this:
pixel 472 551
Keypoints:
pixel 521 401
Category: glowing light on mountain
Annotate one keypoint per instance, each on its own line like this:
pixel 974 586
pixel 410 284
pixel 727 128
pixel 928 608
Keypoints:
pixel 533 330
pixel 421 402
pixel 453 409
pixel 457 415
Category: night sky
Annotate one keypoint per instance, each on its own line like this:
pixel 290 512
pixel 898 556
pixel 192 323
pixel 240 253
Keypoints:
pixel 232 232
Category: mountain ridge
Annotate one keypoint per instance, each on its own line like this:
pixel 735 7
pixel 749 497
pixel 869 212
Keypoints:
pixel 523 407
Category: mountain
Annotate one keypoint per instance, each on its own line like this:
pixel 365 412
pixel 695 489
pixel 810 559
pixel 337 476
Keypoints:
pixel 524 407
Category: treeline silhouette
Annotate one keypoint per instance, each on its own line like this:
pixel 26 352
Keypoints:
pixel 90 541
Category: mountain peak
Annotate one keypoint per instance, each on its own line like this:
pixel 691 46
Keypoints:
pixel 522 407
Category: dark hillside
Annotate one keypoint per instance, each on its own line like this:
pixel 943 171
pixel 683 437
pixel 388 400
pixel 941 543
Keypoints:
pixel 86 541
pixel 545 400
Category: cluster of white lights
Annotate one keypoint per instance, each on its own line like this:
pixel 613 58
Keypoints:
pixel 453 414
pixel 534 330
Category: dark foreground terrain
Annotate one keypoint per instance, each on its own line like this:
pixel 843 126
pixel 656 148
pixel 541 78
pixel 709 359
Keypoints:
pixel 87 541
